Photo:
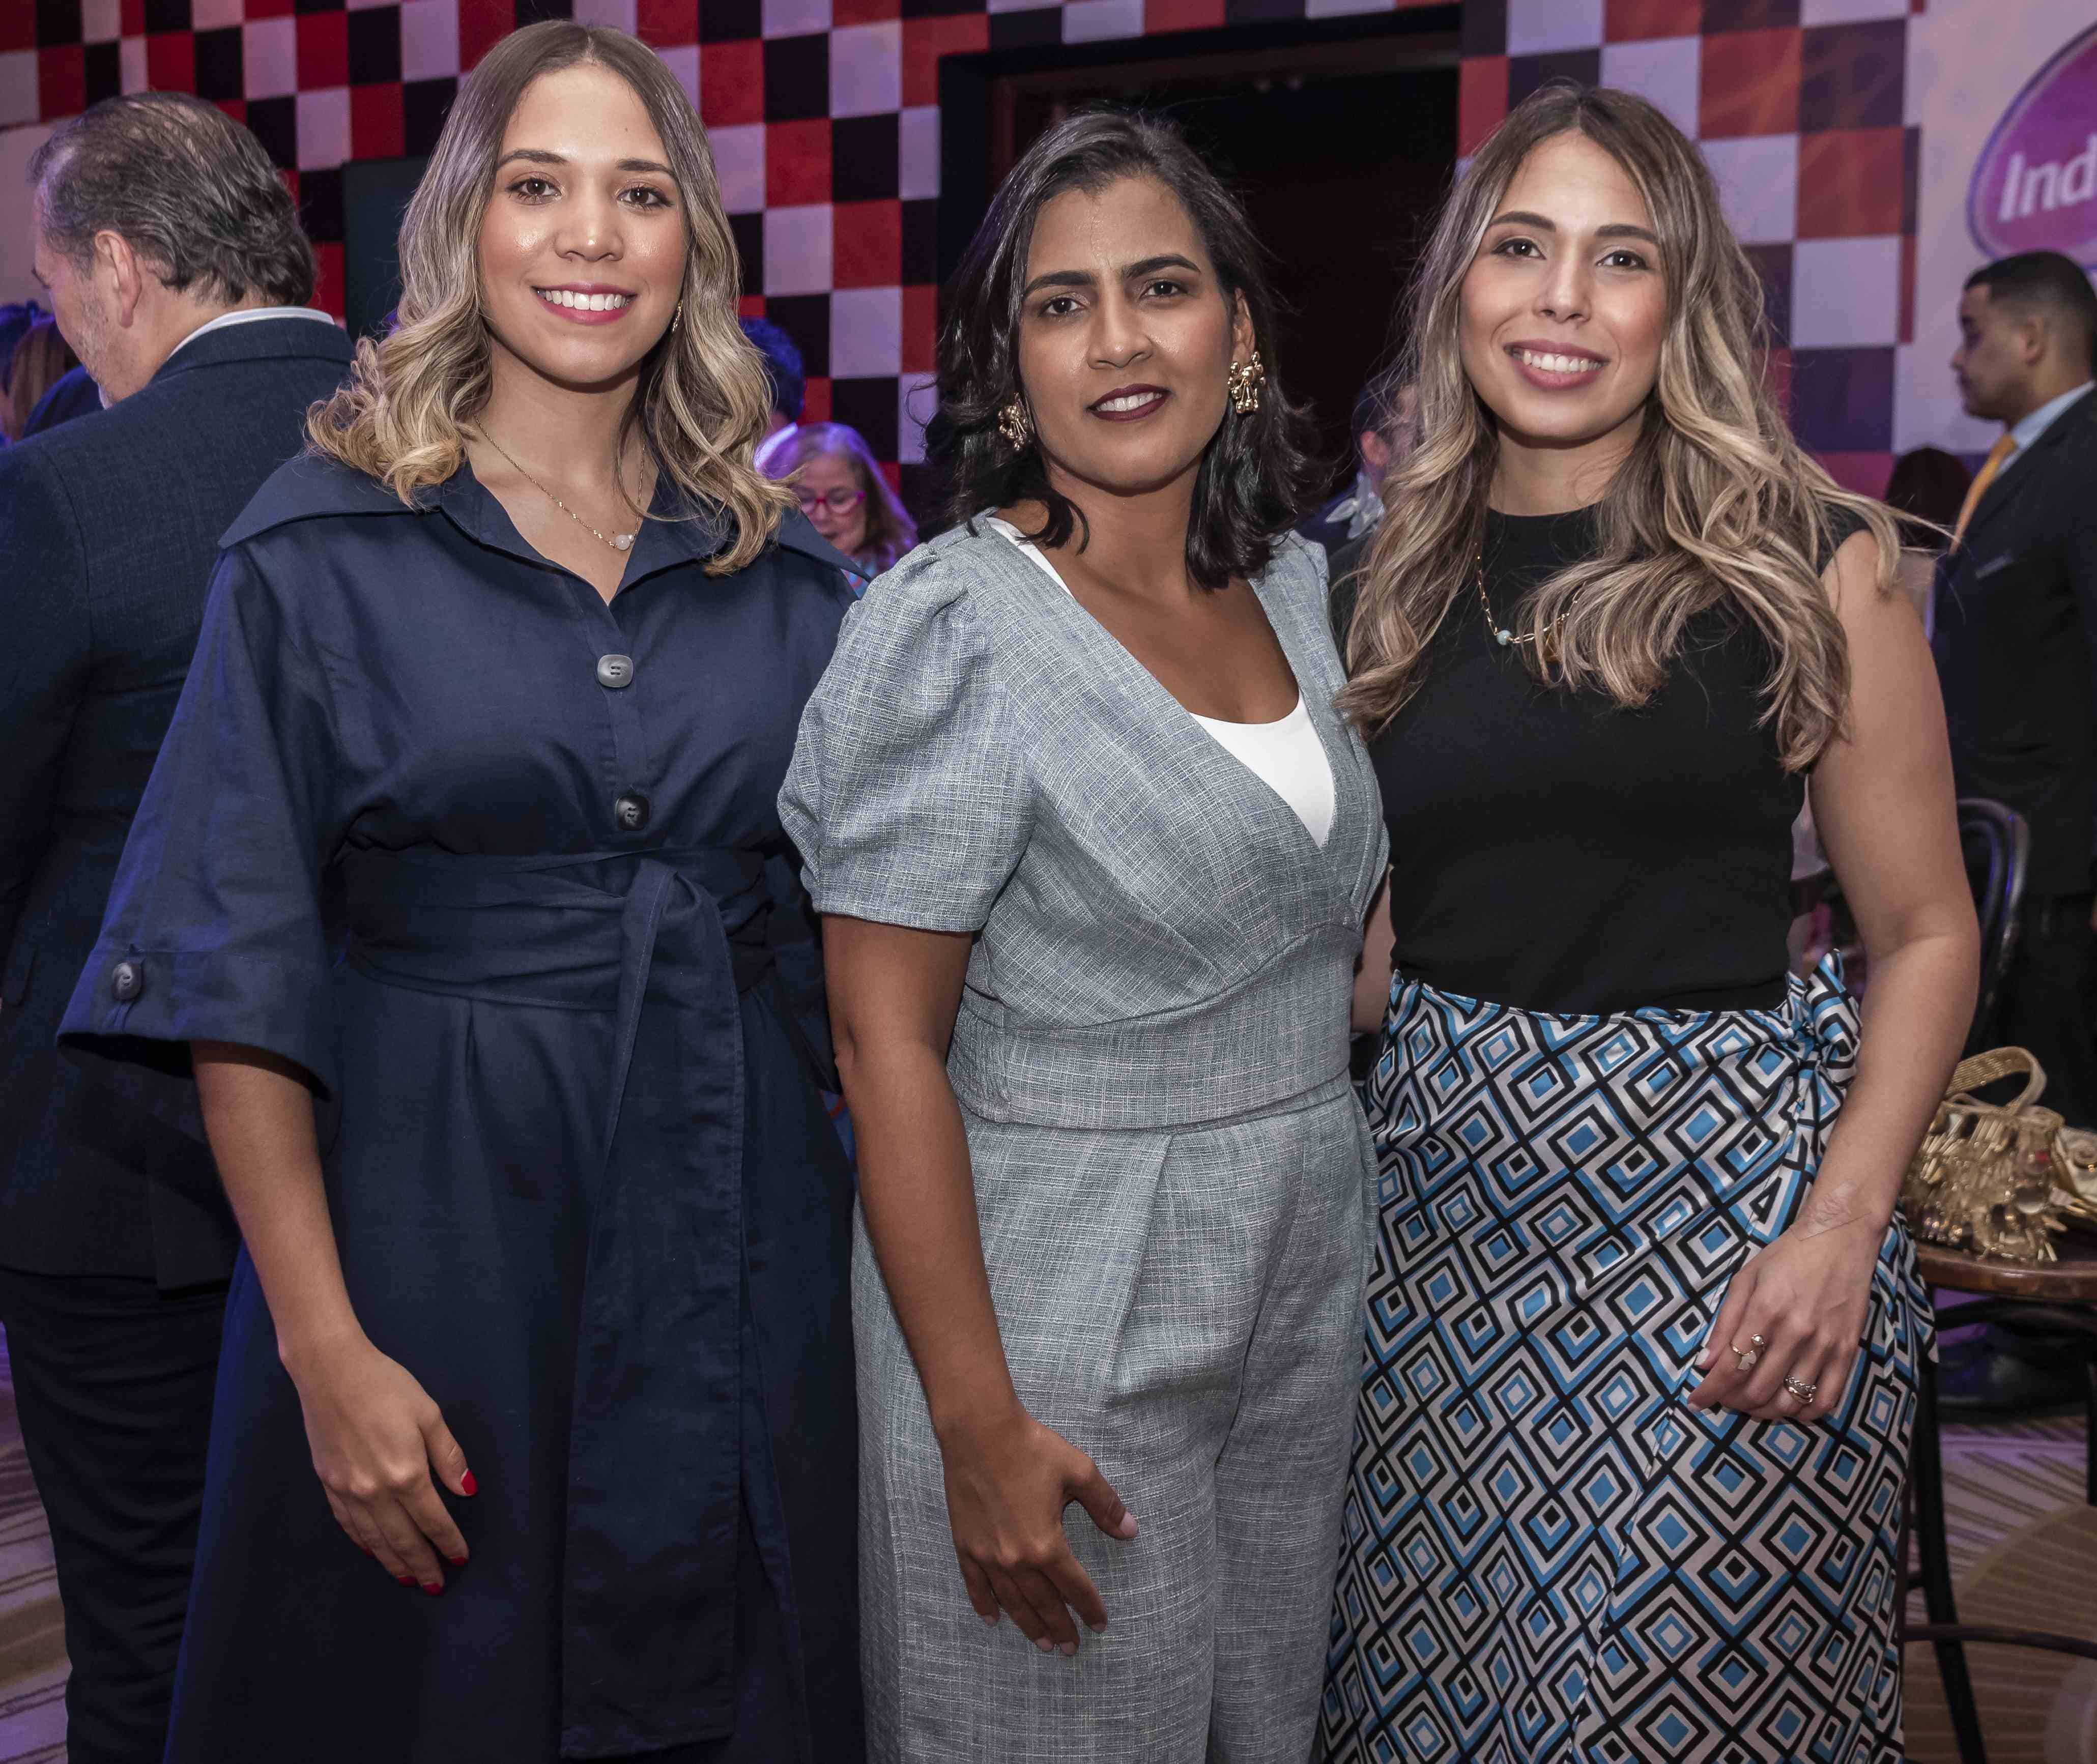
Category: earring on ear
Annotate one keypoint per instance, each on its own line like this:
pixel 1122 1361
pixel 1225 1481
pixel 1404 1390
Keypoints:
pixel 1015 425
pixel 1243 381
pixel 676 319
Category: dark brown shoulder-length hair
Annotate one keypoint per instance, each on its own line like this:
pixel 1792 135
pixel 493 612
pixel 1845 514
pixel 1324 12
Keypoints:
pixel 1256 474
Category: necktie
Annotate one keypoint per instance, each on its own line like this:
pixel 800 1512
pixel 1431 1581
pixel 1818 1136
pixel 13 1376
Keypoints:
pixel 1982 479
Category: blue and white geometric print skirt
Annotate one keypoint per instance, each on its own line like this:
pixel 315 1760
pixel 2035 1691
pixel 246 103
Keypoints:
pixel 1548 1557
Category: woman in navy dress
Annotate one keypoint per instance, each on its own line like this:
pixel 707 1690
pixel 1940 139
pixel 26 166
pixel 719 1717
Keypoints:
pixel 460 878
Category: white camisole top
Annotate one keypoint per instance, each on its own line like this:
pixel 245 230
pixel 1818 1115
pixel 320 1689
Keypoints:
pixel 1287 756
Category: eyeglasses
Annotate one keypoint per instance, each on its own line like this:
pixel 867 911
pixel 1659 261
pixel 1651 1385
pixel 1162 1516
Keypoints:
pixel 840 501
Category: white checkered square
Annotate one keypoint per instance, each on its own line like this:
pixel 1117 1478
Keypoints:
pixel 738 163
pixel 1333 9
pixel 102 21
pixel 1015 6
pixel 797 250
pixel 323 123
pixel 1850 12
pixel 429 39
pixel 205 15
pixel 683 63
pixel 918 152
pixel 1663 70
pixel 1758 183
pixel 18 87
pixel 866 69
pixel 795 18
pixel 1095 21
pixel 131 75
pixel 1845 293
pixel 617 14
pixel 1544 27
pixel 866 332
pixel 269 57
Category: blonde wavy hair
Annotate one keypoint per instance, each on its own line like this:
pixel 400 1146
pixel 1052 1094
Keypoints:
pixel 1716 506
pixel 703 402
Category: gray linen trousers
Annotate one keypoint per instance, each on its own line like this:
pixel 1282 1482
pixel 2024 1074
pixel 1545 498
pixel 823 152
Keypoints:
pixel 1173 1180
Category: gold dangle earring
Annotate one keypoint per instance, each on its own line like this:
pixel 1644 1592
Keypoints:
pixel 676 319
pixel 1245 381
pixel 1015 425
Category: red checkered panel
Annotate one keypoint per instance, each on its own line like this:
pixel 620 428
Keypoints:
pixel 825 123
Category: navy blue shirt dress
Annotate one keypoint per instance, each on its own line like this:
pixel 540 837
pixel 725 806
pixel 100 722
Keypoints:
pixel 499 865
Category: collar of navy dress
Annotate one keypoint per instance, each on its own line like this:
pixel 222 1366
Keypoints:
pixel 314 489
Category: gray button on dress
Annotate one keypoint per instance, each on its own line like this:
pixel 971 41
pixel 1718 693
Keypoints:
pixel 1173 1181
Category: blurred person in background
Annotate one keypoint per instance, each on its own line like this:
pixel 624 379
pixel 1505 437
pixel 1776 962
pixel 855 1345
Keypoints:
pixel 176 268
pixel 789 382
pixel 1928 488
pixel 75 394
pixel 840 490
pixel 1380 418
pixel 15 319
pixel 42 359
pixel 2015 641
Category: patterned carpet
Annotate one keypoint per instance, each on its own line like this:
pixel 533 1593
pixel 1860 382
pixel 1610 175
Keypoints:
pixel 2023 1550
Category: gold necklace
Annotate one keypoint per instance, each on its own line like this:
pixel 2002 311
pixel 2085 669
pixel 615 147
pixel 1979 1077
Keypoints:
pixel 617 541
pixel 1546 641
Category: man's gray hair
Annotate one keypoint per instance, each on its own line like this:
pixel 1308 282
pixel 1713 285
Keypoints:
pixel 190 190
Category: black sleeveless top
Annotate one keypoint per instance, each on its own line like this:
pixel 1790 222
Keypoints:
pixel 1551 850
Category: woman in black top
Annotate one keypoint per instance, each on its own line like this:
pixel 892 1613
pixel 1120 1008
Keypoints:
pixel 1626 1484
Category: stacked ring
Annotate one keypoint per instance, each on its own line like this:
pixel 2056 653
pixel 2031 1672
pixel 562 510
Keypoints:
pixel 1799 1388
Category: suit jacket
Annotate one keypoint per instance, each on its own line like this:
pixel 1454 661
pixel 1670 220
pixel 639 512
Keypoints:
pixel 108 530
pixel 72 394
pixel 2016 647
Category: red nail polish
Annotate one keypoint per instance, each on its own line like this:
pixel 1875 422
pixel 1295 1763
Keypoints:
pixel 407 1580
pixel 467 1486
pixel 456 1561
pixel 433 1591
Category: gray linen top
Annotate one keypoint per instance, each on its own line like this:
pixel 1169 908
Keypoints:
pixel 1162 942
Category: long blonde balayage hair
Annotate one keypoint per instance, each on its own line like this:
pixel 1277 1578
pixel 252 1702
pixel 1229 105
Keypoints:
pixel 701 402
pixel 1716 505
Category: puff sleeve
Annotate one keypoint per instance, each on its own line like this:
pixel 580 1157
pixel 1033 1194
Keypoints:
pixel 214 931
pixel 908 796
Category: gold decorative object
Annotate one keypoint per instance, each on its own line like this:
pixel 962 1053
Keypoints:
pixel 1245 380
pixel 2079 1178
pixel 1989 1177
pixel 1015 425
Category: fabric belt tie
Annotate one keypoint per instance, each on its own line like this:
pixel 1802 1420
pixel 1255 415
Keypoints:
pixel 668 940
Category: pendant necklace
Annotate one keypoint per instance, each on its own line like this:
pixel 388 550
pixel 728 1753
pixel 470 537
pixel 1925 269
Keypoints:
pixel 617 541
pixel 1546 641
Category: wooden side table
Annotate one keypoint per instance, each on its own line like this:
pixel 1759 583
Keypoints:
pixel 2064 1293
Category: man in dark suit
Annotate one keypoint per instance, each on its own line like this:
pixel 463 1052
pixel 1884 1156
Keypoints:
pixel 2015 639
pixel 177 269
pixel 72 394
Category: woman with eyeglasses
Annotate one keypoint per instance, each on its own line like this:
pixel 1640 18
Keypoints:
pixel 840 490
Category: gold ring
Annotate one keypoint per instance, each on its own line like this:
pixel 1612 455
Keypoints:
pixel 1799 1388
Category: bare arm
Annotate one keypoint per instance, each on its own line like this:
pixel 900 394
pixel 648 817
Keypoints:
pixel 375 1432
pixel 894 995
pixel 1883 804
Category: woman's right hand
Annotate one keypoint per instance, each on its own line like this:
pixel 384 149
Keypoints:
pixel 376 1439
pixel 1007 1480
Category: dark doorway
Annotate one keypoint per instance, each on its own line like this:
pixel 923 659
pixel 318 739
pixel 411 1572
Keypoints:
pixel 1340 137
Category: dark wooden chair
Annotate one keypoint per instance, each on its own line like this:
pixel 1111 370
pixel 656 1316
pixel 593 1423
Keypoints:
pixel 1997 845
pixel 2063 1293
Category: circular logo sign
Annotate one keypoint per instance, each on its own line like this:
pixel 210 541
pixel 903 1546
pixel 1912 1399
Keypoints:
pixel 2035 184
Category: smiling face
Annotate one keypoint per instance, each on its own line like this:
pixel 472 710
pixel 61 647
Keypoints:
pixel 1563 307
pixel 822 480
pixel 1126 337
pixel 582 245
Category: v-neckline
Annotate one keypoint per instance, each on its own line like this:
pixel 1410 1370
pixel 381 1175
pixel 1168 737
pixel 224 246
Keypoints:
pixel 1041 567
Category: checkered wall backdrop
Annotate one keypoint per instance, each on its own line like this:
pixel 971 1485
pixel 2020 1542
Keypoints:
pixel 825 123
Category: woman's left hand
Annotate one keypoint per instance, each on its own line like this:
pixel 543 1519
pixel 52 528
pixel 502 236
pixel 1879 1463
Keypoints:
pixel 1806 1296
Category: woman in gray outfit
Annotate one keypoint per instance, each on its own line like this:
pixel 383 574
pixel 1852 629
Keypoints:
pixel 1093 854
